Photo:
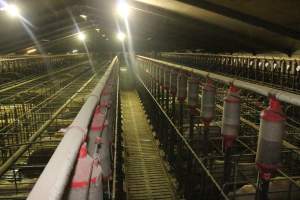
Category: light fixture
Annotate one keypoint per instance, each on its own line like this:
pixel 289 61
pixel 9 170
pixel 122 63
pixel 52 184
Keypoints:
pixel 81 36
pixel 83 17
pixel 97 29
pixel 122 8
pixel 123 69
pixel 121 36
pixel 29 51
pixel 75 51
pixel 103 35
pixel 12 10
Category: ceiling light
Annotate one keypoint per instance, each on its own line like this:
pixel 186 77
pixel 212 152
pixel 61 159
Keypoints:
pixel 81 36
pixel 75 51
pixel 123 69
pixel 31 51
pixel 98 30
pixel 83 17
pixel 12 10
pixel 121 36
pixel 122 8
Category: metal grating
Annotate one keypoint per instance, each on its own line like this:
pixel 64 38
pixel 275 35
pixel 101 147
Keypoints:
pixel 145 174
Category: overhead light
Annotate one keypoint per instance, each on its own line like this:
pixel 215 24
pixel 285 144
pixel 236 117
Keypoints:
pixel 103 35
pixel 75 51
pixel 123 69
pixel 98 30
pixel 121 36
pixel 83 17
pixel 81 36
pixel 29 51
pixel 122 8
pixel 12 10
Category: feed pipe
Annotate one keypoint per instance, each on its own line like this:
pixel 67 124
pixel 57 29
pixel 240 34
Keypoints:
pixel 281 95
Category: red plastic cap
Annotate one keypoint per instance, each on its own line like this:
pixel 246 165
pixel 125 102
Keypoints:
pixel 274 111
pixel 83 151
pixel 233 89
pixel 267 168
pixel 274 104
pixel 209 81
pixel 209 85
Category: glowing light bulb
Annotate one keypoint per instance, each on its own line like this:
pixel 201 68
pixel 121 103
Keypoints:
pixel 81 36
pixel 121 36
pixel 12 10
pixel 122 8
pixel 31 51
pixel 83 17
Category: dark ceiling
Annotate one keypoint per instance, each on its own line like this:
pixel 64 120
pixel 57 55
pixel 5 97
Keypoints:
pixel 211 25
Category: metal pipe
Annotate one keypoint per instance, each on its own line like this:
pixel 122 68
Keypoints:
pixel 116 143
pixel 272 57
pixel 262 189
pixel 53 180
pixel 281 95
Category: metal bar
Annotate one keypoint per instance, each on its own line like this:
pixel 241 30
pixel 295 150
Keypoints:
pixel 281 95
pixel 53 180
pixel 236 56
pixel 116 142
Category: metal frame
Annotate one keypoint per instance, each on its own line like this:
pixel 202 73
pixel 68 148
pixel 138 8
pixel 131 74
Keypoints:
pixel 53 180
pixel 275 71
pixel 243 165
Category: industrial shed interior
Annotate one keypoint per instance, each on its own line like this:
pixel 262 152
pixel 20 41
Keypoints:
pixel 149 99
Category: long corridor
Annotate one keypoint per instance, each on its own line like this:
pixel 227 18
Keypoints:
pixel 145 174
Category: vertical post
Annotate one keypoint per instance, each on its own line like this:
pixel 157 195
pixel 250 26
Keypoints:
pixel 15 180
pixel 181 96
pixel 167 101
pixel 173 108
pixel 263 181
pixel 161 83
pixel 152 74
pixel 207 113
pixel 193 95
pixel 205 142
pixel 167 81
pixel 156 72
pixel 230 129
pixel 173 85
pixel 180 124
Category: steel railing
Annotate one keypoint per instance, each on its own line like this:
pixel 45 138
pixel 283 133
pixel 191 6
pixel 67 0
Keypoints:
pixel 275 70
pixel 281 95
pixel 56 175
